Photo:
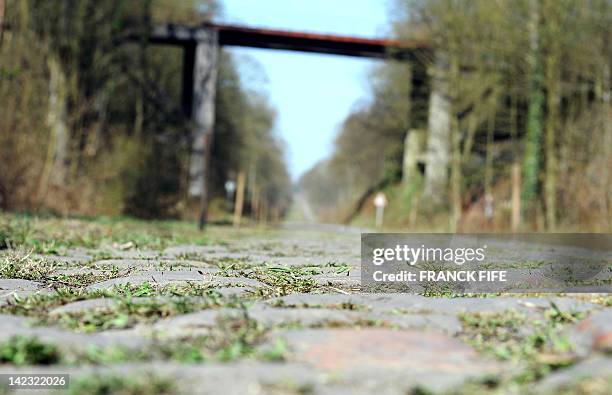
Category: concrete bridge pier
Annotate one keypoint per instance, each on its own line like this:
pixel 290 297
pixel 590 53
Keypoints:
pixel 427 143
pixel 199 91
pixel 201 51
pixel 438 143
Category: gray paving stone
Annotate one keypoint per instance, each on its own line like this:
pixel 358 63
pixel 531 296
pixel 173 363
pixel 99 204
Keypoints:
pixel 124 263
pixel 564 379
pixel 84 305
pixel 11 288
pixel 270 316
pixel 186 263
pixel 68 340
pixel 110 303
pixel 79 271
pixel 76 256
pixel 342 280
pixel 449 324
pixel 224 281
pixel 593 333
pixel 170 277
pixel 200 323
pixel 414 311
pixel 373 312
pixel 154 264
pixel 401 359
pixel 318 260
pixel 314 300
pixel 13 284
pixel 176 251
pixel 193 324
pixel 233 291
pixel 418 304
pixel 134 254
pixel 242 378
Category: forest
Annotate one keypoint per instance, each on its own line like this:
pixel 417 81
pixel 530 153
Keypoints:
pixel 528 142
pixel 91 121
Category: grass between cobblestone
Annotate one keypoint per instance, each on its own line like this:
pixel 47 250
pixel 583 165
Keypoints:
pixel 21 264
pixel 129 307
pixel 587 386
pixel 148 384
pixel 536 347
pixel 233 337
pixel 21 351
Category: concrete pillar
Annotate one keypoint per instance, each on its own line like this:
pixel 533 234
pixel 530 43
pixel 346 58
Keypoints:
pixel 205 58
pixel 413 154
pixel 420 93
pixel 438 144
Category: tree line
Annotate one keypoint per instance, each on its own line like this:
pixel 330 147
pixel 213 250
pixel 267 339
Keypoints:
pixel 528 141
pixel 92 122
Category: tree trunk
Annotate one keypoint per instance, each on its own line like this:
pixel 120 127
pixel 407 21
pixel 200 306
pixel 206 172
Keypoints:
pixel 456 177
pixel 607 129
pixel 56 118
pixel 455 137
pixel 531 163
pixel 2 12
pixel 488 181
pixel 550 183
pixel 516 167
pixel 489 201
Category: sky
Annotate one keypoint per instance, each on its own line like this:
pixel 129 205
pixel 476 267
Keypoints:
pixel 312 93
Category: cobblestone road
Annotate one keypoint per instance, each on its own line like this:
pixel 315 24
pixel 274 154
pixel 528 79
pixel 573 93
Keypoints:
pixel 281 313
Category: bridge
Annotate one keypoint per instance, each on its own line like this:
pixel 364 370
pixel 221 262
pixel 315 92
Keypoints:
pixel 241 36
pixel 200 61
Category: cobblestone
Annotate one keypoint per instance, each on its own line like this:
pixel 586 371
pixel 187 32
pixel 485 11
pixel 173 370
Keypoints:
pixel 334 339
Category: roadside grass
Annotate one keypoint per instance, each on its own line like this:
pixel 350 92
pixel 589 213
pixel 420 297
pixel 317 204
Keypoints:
pixel 54 235
pixel 536 346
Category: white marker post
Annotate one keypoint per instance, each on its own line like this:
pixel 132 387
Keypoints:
pixel 380 202
pixel 230 188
